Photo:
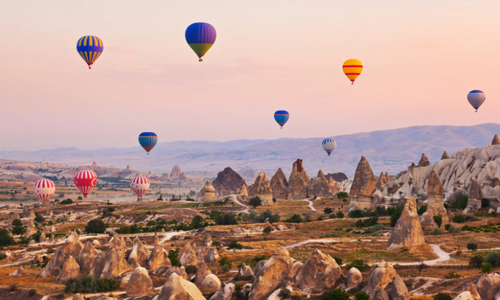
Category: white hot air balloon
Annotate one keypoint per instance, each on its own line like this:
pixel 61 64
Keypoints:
pixel 140 185
pixel 476 98
pixel 329 145
pixel 44 189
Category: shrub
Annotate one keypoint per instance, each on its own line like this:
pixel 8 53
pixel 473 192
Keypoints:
pixel 88 284
pixel 486 268
pixel 357 213
pixel 19 230
pixel 338 260
pixel 266 216
pixel 472 246
pixel 461 202
pixel 256 259
pixel 284 293
pixel 438 220
pixel 358 264
pixel 476 261
pixel 13 288
pixel 234 245
pixel 17 222
pixel 452 275
pixel 453 229
pixel 447 226
pixel 191 269
pixel 2 256
pixel 340 215
pixel 39 218
pixel 442 296
pixel 336 294
pixel 173 256
pixel 67 201
pixel 485 203
pixel 255 201
pixel 267 230
pixel 395 216
pixel 225 268
pixel 198 222
pixel 226 219
pixel 361 295
pixel 436 231
pixel 421 210
pixel 224 261
pixel 294 219
pixel 367 222
pixel 79 198
pixel 31 292
pixel 95 226
pixel 459 219
pixel 376 228
pixel 342 195
pixel 327 211
pixel 494 258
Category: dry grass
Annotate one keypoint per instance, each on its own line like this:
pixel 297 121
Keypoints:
pixel 44 286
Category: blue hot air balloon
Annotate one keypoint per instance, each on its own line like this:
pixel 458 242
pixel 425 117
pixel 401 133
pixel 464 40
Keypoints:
pixel 200 37
pixel 148 140
pixel 281 116
pixel 329 145
pixel 90 48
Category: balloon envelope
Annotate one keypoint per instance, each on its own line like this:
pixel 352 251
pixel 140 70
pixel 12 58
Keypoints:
pixel 281 117
pixel 44 189
pixel 352 68
pixel 329 145
pixel 140 185
pixel 200 37
pixel 85 180
pixel 148 140
pixel 476 98
pixel 90 48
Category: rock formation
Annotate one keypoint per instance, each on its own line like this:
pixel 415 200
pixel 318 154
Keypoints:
pixel 187 257
pixel 18 272
pixel 208 191
pixel 177 288
pixel 364 181
pixel 87 258
pixel 140 283
pixel 279 185
pixel 262 189
pixel 319 273
pixel 398 289
pixel 354 278
pixel 202 271
pixel 334 186
pixel 211 284
pixel 42 238
pixel 338 177
pixel 381 276
pixel 225 292
pixel 435 201
pixel 72 247
pixel 206 252
pixel 228 182
pixel 245 271
pixel 176 173
pixel 424 161
pixel 445 155
pixel 96 243
pixel 77 297
pixel 111 263
pixel 298 184
pixel 271 276
pixel 475 196
pixel 70 269
pixel 159 257
pixel 488 286
pixel 408 231
pixel 385 283
pixel 469 293
pixel 319 186
pixel 139 252
pixel 495 140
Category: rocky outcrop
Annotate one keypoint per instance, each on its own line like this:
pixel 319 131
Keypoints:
pixel 488 286
pixel 18 272
pixel 110 264
pixel 87 258
pixel 139 253
pixel 385 283
pixel 319 273
pixel 380 277
pixel 140 283
pixel 435 201
pixel 70 269
pixel 187 257
pixel 225 292
pixel 202 271
pixel 381 181
pixel 228 182
pixel 210 284
pixel 398 289
pixel 298 184
pixel 77 297
pixel 72 247
pixel 334 186
pixel 364 181
pixel 245 271
pixel 158 258
pixel 206 253
pixel 469 293
pixel 42 238
pixel 275 271
pixel 354 278
pixel 338 177
pixel 475 196
pixel 177 288
pixel 445 155
pixel 262 189
pixel 176 173
pixel 408 231
pixel 27 213
pixel 495 140
pixel 279 185
pixel 208 191
pixel 319 186
pixel 424 161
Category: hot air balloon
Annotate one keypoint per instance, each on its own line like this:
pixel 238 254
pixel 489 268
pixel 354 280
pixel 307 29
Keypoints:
pixel 476 98
pixel 148 140
pixel 200 37
pixel 44 189
pixel 329 145
pixel 85 180
pixel 352 68
pixel 90 48
pixel 281 116
pixel 140 186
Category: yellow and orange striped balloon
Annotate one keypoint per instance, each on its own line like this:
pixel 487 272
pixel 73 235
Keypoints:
pixel 352 68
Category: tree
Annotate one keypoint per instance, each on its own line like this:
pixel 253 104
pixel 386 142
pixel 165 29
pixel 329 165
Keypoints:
pixel 19 230
pixel 493 258
pixel 395 216
pixel 95 226
pixel 336 294
pixel 421 267
pixel 197 222
pixel 327 211
pixel 234 245
pixel 294 219
pixel 472 246
pixel 486 268
pixel 358 264
pixel 39 218
pixel 173 256
pixel 476 261
pixel 340 215
pixel 342 195
pixel 267 230
pixel 255 201
pixel 361 295
pixel 421 210
pixel 17 222
pixel 438 220
pixel 5 238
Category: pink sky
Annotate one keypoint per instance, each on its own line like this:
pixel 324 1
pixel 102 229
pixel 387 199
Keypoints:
pixel 421 59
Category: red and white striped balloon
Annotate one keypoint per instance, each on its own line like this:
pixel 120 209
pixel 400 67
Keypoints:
pixel 44 189
pixel 85 180
pixel 140 185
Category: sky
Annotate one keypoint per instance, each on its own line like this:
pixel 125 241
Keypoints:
pixel 420 59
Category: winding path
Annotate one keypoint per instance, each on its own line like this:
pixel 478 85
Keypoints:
pixel 310 205
pixel 235 200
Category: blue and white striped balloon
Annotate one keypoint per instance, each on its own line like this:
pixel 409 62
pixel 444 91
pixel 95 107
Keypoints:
pixel 329 145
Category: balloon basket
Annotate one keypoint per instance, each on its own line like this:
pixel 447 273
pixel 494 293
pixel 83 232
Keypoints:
pixel 200 60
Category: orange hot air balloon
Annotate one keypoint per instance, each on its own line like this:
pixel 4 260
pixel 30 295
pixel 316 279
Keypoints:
pixel 352 68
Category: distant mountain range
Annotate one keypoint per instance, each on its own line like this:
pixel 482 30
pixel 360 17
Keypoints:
pixel 386 150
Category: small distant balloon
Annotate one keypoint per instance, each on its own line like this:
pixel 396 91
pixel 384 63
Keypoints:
pixel 281 117
pixel 476 98
pixel 90 48
pixel 200 37
pixel 44 189
pixel 148 140
pixel 329 145
pixel 140 185
pixel 352 68
pixel 85 180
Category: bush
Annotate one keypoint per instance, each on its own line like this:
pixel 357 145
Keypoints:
pixel 67 201
pixel 173 256
pixel 338 260
pixel 294 219
pixel 340 215
pixel 255 201
pixel 39 218
pixel 459 219
pixel 225 268
pixel 486 268
pixel 395 216
pixel 327 211
pixel 284 293
pixel 336 294
pixel 256 259
pixel 198 222
pixel 95 226
pixel 31 292
pixel 485 203
pixel 438 220
pixel 447 226
pixel 342 195
pixel 494 258
pixel 361 295
pixel 358 264
pixel 88 284
pixel 472 246
pixel 357 213
pixel 234 245
pixel 442 296
pixel 453 229
pixel 267 230
pixel 461 202
pixel 224 261
pixel 436 231
pixel 19 230
pixel 367 222
pixel 421 210
pixel 476 261
pixel 452 275
pixel 17 222
pixel 226 219
pixel 2 256
pixel 191 269
pixel 266 216
pixel 79 198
